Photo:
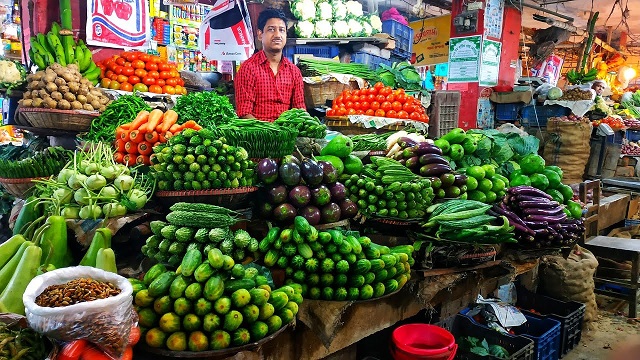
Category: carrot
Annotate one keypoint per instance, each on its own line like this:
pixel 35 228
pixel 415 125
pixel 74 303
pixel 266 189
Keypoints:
pixel 143 160
pixel 117 157
pixel 119 131
pixel 142 118
pixel 126 126
pixel 136 136
pixel 151 136
pixel 124 136
pixel 170 118
pixel 154 120
pixel 162 139
pixel 176 128
pixel 191 125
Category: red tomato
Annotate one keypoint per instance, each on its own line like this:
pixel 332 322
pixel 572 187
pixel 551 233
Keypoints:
pixel 341 111
pixel 371 98
pixel 391 98
pixel 120 61
pixel 386 106
pixel 154 74
pixel 92 353
pixel 370 112
pixel 128 353
pixel 414 116
pixel 381 98
pixel 348 104
pixel 148 80
pixel 138 64
pixel 122 78
pixel 359 112
pixel 378 85
pixel 392 114
pixel 330 112
pixel 385 91
pixel 351 112
pixel 364 105
pixel 140 73
pixel 168 89
pixel 338 100
pixel 151 66
pixel 355 98
pixel 347 98
pixel 156 59
pixel 165 75
pixel 108 73
pixel 174 73
pixel 101 66
pixel 160 82
pixel 125 86
pixel 131 57
pixel 380 113
pixel 396 105
pixel 72 350
pixel 164 67
pixel 128 71
pixel 180 81
pixel 403 114
pixel 113 77
pixel 375 105
pixel 118 69
pixel 155 89
pixel 356 105
pixel 133 80
pixel 402 98
pixel 408 107
pixel 373 91
pixel 144 57
pixel 105 82
pixel 172 81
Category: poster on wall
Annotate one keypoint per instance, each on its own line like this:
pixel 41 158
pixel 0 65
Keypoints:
pixel 464 58
pixel 549 69
pixel 490 65
pixel 117 23
pixel 430 38
pixel 225 33
pixel 493 18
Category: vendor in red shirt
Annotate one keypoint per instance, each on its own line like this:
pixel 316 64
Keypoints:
pixel 268 84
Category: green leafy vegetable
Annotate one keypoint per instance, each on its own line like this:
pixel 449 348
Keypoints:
pixel 482 348
pixel 207 108
pixel 121 111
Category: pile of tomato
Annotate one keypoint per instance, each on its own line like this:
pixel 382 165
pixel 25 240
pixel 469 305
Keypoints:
pixel 614 123
pixel 135 70
pixel 379 100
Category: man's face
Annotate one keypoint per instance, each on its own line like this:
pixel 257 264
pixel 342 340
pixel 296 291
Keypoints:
pixel 599 88
pixel 274 35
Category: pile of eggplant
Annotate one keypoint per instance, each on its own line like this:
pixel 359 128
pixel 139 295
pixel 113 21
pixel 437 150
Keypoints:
pixel 539 221
pixel 426 159
pixel 306 188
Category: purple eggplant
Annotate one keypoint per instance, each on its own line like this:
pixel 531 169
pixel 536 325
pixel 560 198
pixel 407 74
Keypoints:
pixel 406 142
pixel 534 211
pixel 529 190
pixel 427 148
pixel 540 233
pixel 408 153
pixel 433 159
pixel 338 191
pixel 268 171
pixel 520 197
pixel 570 227
pixel 311 213
pixel 536 224
pixel 503 210
pixel 538 204
pixel 412 162
pixel 434 169
pixel 461 179
pixel 402 161
pixel 548 218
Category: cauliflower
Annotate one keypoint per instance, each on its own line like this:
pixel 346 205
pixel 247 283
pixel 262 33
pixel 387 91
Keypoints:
pixel 303 9
pixel 354 8
pixel 324 12
pixel 10 74
pixel 366 28
pixel 355 27
pixel 376 23
pixel 304 29
pixel 339 10
pixel 340 29
pixel 323 29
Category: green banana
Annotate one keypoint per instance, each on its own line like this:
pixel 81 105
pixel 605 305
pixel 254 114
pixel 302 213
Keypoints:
pixel 67 45
pixel 93 74
pixel 38 48
pixel 58 49
pixel 55 28
pixel 88 57
pixel 79 56
pixel 42 40
pixel 39 60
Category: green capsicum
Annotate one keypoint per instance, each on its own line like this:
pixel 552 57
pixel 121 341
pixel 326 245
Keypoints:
pixel 455 136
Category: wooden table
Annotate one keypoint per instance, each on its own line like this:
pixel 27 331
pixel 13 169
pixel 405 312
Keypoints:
pixel 619 249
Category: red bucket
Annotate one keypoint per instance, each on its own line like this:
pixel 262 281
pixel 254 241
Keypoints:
pixel 422 341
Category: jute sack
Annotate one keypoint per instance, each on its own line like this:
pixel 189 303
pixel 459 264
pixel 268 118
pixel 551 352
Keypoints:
pixel 568 146
pixel 571 278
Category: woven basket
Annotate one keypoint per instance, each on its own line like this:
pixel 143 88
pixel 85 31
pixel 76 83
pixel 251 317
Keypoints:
pixel 318 94
pixel 234 199
pixel 19 188
pixel 67 120
pixel 346 127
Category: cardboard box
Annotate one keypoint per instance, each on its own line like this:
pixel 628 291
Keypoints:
pixel 385 54
pixel 613 209
pixel 634 209
pixel 391 44
pixel 625 171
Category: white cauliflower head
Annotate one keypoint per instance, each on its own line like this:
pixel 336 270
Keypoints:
pixel 323 29
pixel 9 72
pixel 367 30
pixel 304 29
pixel 376 23
pixel 324 11
pixel 355 27
pixel 340 29
pixel 339 10
pixel 303 9
pixel 354 8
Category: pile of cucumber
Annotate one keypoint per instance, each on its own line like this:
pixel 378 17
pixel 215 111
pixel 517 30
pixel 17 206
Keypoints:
pixel 332 265
pixel 210 303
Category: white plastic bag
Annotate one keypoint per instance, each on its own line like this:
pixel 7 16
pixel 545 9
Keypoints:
pixel 104 322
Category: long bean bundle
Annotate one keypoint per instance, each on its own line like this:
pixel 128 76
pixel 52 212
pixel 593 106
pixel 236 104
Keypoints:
pixel 43 163
pixel 315 67
pixel 370 142
pixel 121 111
pixel 260 139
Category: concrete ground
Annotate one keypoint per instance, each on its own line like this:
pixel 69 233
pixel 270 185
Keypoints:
pixel 605 337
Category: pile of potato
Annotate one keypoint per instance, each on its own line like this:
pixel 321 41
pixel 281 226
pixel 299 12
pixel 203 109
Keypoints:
pixel 576 94
pixel 64 88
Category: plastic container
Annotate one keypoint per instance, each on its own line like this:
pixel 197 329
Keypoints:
pixel 368 59
pixel 631 222
pixel 570 314
pixel 422 341
pixel 403 35
pixel 545 333
pixel 633 135
pixel 616 138
pixel 519 347
pixel 538 115
pixel 508 112
pixel 323 51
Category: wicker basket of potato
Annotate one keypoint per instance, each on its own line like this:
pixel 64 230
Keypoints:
pixel 60 98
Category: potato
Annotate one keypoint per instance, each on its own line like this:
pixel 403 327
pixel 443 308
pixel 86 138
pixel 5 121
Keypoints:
pixel 95 92
pixel 50 103
pixel 85 81
pixel 73 67
pixel 41 84
pixel 49 78
pixel 26 102
pixel 96 104
pixel 82 99
pixel 43 93
pixel 38 102
pixel 102 108
pixel 64 89
pixel 104 100
pixel 69 77
pixel 64 105
pixel 74 87
pixel 26 95
pixel 56 95
pixel 83 90
pixel 60 81
pixel 33 85
pixel 76 105
pixel 51 87
pixel 88 107
pixel 55 66
pixel 69 97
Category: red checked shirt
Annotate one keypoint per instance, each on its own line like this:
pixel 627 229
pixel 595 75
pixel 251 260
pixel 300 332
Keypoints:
pixel 264 95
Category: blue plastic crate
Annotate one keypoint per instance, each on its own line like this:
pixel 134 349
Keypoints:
pixel 545 334
pixel 403 35
pixel 372 61
pixel 508 112
pixel 616 138
pixel 633 135
pixel 538 115
pixel 323 51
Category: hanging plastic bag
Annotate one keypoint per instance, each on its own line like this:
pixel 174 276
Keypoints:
pixel 104 322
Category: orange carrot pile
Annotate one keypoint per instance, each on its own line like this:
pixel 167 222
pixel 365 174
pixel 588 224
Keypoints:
pixel 135 140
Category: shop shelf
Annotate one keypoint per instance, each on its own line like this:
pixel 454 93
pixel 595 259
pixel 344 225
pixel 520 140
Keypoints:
pixel 570 314
pixel 545 333
pixel 519 347
pixel 403 35
pixel 372 61
pixel 538 115
pixel 322 51
pixel 508 112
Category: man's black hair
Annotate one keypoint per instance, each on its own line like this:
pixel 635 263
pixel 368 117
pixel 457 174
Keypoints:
pixel 270 13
